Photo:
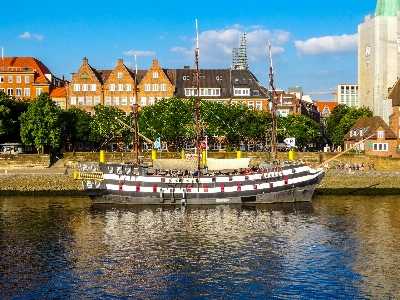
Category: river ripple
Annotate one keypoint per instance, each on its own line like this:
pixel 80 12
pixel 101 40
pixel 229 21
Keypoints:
pixel 335 247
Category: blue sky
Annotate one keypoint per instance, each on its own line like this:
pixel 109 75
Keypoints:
pixel 314 42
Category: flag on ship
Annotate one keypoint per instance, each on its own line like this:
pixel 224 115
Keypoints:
pixel 157 143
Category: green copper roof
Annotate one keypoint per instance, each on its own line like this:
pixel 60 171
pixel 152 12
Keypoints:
pixel 387 8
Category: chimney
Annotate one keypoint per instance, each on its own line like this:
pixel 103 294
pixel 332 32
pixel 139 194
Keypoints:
pixel 186 67
pixel 120 61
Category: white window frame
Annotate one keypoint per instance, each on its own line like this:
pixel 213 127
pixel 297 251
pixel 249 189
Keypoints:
pixel 120 87
pixel 38 91
pixel 112 87
pixel 96 100
pixel 10 92
pixel 155 87
pixel 85 87
pixel 259 105
pixel 18 80
pixel 124 101
pixel 77 87
pixel 27 92
pixel 163 87
pixel 92 87
pixel 108 101
pixel 10 79
pixel 131 101
pixel 27 79
pixel 81 101
pixel 380 134
pixel 1 79
pixel 116 101
pixel 380 147
pixel 190 92
pixel 142 101
pixel 250 104
pixel 73 101
pixel 147 87
pixel 128 87
pixel 151 101
pixel 18 92
pixel 155 74
pixel 120 75
pixel 88 100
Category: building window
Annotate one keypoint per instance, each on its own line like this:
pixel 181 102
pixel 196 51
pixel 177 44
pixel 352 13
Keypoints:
pixel 10 92
pixel 81 101
pixel 210 92
pixel 73 101
pixel 131 101
pixel 120 87
pixel 151 100
pixel 108 101
pixel 96 100
pixel 116 101
pixel 1 90
pixel 88 101
pixel 119 75
pixel 26 79
pixel 27 92
pixel 259 105
pixel 190 92
pixel 112 87
pixel 18 92
pixel 256 93
pixel 143 101
pixel 93 87
pixel 124 101
pixel 147 87
pixel 38 91
pixel 240 92
pixel 84 87
pixel 128 87
pixel 18 79
pixel 1 79
pixel 381 134
pixel 77 87
pixel 251 105
pixel 10 79
pixel 155 87
pixel 155 74
pixel 163 87
pixel 380 146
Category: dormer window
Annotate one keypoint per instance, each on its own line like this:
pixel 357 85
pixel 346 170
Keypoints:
pixel 381 134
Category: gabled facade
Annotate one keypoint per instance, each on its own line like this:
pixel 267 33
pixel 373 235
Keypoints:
pixel 86 88
pixel 26 77
pixel 394 118
pixel 382 141
pixel 119 88
pixel 155 85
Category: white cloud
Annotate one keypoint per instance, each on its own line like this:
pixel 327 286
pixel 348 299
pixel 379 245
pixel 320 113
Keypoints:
pixel 216 45
pixel 328 44
pixel 139 53
pixel 27 35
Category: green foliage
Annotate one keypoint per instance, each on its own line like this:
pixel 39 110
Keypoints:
pixel 301 127
pixel 41 124
pixel 342 119
pixel 103 123
pixel 10 110
pixel 168 119
pixel 77 124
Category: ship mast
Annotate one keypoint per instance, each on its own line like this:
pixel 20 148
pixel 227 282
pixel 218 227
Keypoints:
pixel 135 116
pixel 271 96
pixel 197 101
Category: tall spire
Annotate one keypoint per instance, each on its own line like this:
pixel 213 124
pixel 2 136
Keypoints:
pixel 387 8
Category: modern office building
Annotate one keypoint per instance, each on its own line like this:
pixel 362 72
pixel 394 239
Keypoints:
pixel 348 94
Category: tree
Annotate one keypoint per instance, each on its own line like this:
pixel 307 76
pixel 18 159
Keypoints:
pixel 301 127
pixel 77 124
pixel 342 119
pixel 10 110
pixel 41 124
pixel 103 124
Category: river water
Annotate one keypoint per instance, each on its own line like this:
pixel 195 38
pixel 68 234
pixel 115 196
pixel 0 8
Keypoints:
pixel 334 247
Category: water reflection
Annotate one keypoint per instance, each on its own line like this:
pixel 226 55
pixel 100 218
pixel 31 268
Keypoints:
pixel 333 247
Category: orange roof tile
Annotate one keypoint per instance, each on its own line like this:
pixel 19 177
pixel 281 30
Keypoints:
pixel 322 104
pixel 20 64
pixel 59 92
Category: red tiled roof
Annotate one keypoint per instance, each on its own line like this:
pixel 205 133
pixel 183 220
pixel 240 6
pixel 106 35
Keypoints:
pixel 322 104
pixel 59 92
pixel 30 64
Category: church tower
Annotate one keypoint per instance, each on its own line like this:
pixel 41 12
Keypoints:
pixel 379 57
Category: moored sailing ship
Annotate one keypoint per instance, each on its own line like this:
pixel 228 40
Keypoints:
pixel 188 181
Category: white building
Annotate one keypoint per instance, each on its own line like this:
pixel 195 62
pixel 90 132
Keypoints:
pixel 348 94
pixel 379 57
